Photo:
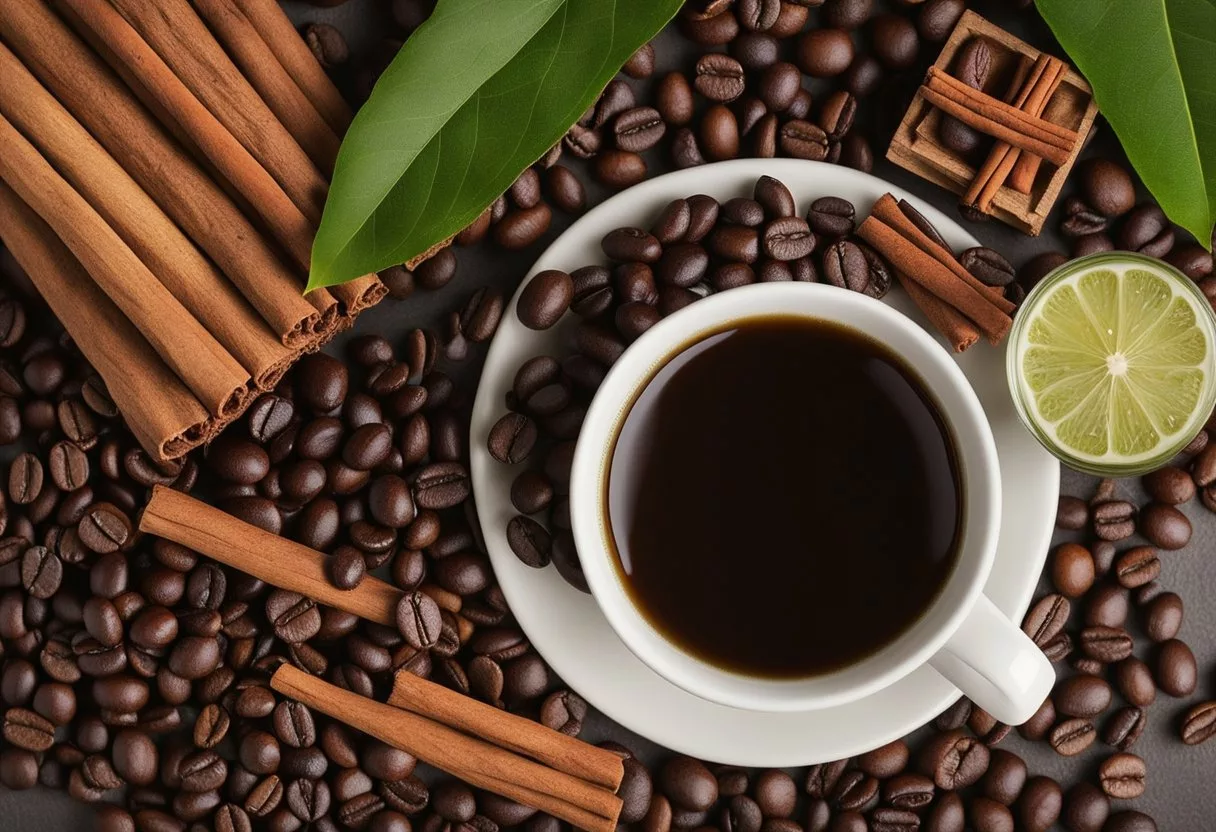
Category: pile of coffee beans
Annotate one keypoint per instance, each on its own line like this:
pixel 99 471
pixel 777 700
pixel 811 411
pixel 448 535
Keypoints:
pixel 133 672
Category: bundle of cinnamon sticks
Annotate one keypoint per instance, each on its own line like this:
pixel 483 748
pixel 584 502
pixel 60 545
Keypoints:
pixel 163 167
pixel 1024 138
pixel 955 302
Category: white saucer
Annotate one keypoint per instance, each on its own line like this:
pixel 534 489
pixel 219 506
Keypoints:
pixel 568 628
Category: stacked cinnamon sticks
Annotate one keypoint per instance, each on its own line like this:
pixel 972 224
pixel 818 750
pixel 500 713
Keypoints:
pixel 163 168
pixel 1024 138
pixel 955 302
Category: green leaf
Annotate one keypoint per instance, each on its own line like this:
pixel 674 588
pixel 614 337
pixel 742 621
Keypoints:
pixel 1152 64
pixel 479 92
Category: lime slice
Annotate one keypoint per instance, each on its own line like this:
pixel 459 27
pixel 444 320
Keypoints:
pixel 1112 362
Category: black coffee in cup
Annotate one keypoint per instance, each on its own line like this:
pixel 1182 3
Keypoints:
pixel 784 498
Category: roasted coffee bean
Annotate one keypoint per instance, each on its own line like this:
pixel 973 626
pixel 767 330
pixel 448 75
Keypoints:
pixel 1163 616
pixel 1040 805
pixel 1124 727
pixel 682 264
pixel 1169 485
pixel 1086 808
pixel 787 238
pixel 639 128
pixel 441 485
pixel 986 728
pixel 69 466
pixel 1082 696
pixel 1005 777
pixel 1040 723
pixel 1114 520
pixel 1046 618
pixel 908 791
pixel 846 265
pixel 104 529
pixel 990 816
pixel 1080 220
pixel 418 619
pixel 854 791
pixel 823 53
pixel 41 572
pixel 688 784
pixel 1175 669
pixel 1164 526
pixel 1106 644
pixel 1122 776
pixel 512 438
pixel 1147 230
pixel 955 716
pixel 743 211
pixel 937 18
pixel 1137 566
pixel 719 137
pixel 1106 606
pixel 1107 187
pixel 674 100
pixel 1135 682
pixel 529 541
pixel 632 245
pixel 988 266
pixel 1071 513
pixel 24 479
pixel 803 140
pixel 1072 570
pixel 719 77
pixel 894 40
pixel 295 618
pixel 831 216
pixel 821 778
pixel 1199 724
pixel 517 230
pixel 846 14
pixel 1072 736
pixel 1129 820
pixel 885 761
pixel 619 168
pixel 837 114
pixel 1095 243
pixel 954 761
pixel 28 730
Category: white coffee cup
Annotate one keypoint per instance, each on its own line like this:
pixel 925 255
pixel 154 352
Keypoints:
pixel 962 634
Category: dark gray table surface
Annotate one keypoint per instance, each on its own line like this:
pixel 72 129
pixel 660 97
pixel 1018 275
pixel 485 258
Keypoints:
pixel 1181 792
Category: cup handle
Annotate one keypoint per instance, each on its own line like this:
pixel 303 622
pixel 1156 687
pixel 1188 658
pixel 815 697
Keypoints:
pixel 995 664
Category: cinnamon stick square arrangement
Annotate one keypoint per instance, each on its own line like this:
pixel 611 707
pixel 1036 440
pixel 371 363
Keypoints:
pixel 163 168
pixel 997 122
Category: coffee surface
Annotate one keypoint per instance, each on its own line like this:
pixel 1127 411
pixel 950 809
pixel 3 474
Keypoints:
pixel 784 498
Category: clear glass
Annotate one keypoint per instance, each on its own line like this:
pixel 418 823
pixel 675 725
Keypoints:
pixel 1013 372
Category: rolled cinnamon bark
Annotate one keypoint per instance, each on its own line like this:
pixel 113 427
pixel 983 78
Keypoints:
pixel 181 39
pixel 256 186
pixel 284 41
pixel 167 423
pixel 210 372
pixel 90 91
pixel 263 70
pixel 140 222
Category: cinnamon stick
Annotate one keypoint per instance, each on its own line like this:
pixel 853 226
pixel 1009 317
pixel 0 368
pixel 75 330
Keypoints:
pixel 167 423
pixel 268 557
pixel 1032 99
pixel 257 187
pixel 1021 179
pixel 471 759
pixel 284 41
pixel 1004 113
pixel 888 210
pixel 89 89
pixel 187 347
pixel 269 78
pixel 181 39
pixel 947 320
pixel 993 117
pixel 934 276
pixel 140 222
pixel 514 733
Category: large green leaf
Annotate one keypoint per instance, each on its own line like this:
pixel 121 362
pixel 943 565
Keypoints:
pixel 1152 64
pixel 479 92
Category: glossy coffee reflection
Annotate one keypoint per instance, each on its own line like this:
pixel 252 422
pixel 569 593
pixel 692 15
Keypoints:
pixel 783 498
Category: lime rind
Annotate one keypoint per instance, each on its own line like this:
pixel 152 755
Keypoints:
pixel 1112 364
